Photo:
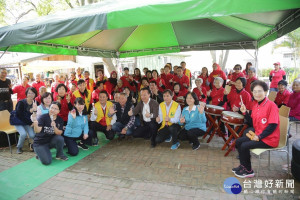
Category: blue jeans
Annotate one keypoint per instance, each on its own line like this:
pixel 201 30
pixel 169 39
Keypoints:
pixel 23 130
pixel 274 89
pixel 43 151
pixel 118 126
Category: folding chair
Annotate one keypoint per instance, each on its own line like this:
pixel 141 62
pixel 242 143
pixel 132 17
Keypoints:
pixel 284 125
pixel 6 127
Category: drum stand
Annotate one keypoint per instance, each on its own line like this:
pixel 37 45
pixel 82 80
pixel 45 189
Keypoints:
pixel 234 135
pixel 215 125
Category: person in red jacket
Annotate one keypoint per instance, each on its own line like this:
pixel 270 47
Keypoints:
pixel 54 85
pixel 216 95
pixel 204 76
pixel 182 79
pixel 42 90
pixel 168 77
pixel 246 70
pixel 65 100
pixel 251 77
pixel 264 119
pixel 200 90
pixel 234 97
pixel 217 72
pixel 294 100
pixel 120 86
pixel 111 83
pixel 236 74
pixel 161 85
pixel 283 95
pixel 276 75
pixel 20 89
pixel 38 83
pixel 99 88
pixel 72 79
pixel 127 80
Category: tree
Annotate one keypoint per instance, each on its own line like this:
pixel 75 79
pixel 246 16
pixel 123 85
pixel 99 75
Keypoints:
pixel 291 41
pixel 223 56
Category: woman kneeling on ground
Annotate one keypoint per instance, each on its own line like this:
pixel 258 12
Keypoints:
pixel 77 128
pixel 49 128
pixel 193 117
pixel 264 117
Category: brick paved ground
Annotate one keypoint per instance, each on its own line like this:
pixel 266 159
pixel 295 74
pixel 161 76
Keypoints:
pixel 131 170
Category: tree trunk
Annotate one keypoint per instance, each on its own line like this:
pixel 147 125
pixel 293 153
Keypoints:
pixel 225 59
pixel 109 64
pixel 213 56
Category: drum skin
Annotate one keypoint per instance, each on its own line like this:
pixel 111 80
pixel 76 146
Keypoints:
pixel 232 117
pixel 215 110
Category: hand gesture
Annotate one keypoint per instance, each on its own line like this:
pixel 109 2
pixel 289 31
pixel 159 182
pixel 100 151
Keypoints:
pixel 160 83
pixel 133 100
pixel 185 85
pixel 130 113
pixel 53 124
pixel 123 131
pixel 33 117
pixel 243 108
pixel 182 120
pixel 34 106
pixel 112 110
pixel 171 80
pixel 235 109
pixel 208 93
pixel 108 128
pixel 130 78
pixel 167 119
pixel 85 136
pixel 58 98
pixel 157 119
pixel 201 108
pixel 73 113
pixel 226 92
pixel 148 115
pixel 68 98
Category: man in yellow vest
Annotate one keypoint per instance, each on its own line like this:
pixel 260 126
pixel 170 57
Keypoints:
pixel 83 93
pixel 168 117
pixel 102 119
pixel 186 71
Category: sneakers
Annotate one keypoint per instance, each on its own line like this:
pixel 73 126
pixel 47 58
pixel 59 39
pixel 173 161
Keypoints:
pixel 195 147
pixel 83 146
pixel 169 140
pixel 244 173
pixel 63 157
pixel 175 146
pixel 237 168
pixel 19 151
pixel 95 142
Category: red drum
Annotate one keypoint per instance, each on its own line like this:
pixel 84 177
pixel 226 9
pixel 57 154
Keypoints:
pixel 232 118
pixel 214 110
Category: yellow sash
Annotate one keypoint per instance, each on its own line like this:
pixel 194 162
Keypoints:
pixel 171 113
pixel 87 99
pixel 101 114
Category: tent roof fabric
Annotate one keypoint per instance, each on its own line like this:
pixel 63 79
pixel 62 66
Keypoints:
pixel 137 28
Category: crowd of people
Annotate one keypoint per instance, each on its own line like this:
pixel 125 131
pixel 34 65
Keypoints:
pixel 161 107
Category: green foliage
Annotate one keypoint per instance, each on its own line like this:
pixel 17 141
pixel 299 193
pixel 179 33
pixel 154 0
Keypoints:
pixel 264 72
pixel 2 10
pixel 291 73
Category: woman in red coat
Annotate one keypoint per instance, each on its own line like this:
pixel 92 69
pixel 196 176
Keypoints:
pixel 217 72
pixel 283 95
pixel 265 130
pixel 65 100
pixel 204 77
pixel 111 83
pixel 200 90
pixel 161 85
pixel 251 77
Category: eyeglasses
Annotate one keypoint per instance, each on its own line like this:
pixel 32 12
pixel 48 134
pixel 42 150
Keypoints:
pixel 53 108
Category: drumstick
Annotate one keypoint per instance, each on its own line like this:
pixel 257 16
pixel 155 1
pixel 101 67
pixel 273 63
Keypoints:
pixel 241 99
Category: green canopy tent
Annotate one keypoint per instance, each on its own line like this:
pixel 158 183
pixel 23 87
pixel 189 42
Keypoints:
pixel 136 28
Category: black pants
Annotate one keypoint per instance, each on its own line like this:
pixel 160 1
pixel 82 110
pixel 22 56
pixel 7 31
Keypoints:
pixel 166 132
pixel 191 135
pixel 94 127
pixel 244 144
pixel 72 144
pixel 148 130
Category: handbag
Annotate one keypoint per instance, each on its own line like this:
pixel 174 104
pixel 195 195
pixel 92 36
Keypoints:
pixel 14 120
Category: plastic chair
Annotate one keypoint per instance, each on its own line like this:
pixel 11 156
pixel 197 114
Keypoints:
pixel 6 127
pixel 272 96
pixel 284 111
pixel 284 125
